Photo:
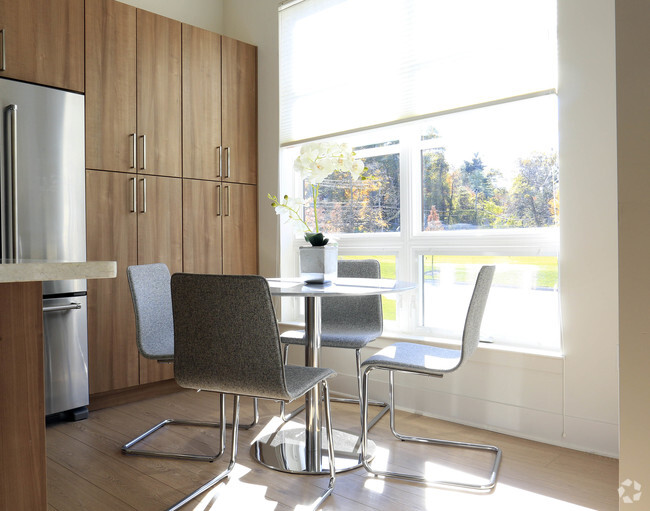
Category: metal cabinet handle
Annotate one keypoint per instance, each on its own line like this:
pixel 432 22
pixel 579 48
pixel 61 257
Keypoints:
pixel 227 162
pixel 144 195
pixel 218 200
pixel 134 194
pixel 134 150
pixel 144 152
pixel 219 165
pixel 3 67
pixel 11 116
pixel 227 201
pixel 59 308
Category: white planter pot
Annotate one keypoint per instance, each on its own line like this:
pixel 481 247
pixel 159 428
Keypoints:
pixel 318 264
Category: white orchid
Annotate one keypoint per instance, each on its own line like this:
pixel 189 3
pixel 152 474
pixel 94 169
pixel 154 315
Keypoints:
pixel 316 161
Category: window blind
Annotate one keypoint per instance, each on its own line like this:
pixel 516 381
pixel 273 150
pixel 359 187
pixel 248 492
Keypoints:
pixel 347 65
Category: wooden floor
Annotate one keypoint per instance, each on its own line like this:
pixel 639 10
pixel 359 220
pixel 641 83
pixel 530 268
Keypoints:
pixel 86 470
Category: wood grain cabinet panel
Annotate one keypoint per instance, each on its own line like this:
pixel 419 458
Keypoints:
pixel 202 214
pixel 22 406
pixel 125 226
pixel 202 152
pixel 159 94
pixel 239 110
pixel 110 85
pixel 163 100
pixel 160 238
pixel 111 224
pixel 133 102
pixel 239 229
pixel 43 42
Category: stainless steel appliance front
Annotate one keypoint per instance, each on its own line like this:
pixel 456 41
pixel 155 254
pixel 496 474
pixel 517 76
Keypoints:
pixel 43 215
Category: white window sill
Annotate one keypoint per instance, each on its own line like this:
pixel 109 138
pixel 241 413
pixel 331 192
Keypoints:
pixel 487 353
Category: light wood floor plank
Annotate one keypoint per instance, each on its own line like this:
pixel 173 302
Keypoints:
pixel 86 469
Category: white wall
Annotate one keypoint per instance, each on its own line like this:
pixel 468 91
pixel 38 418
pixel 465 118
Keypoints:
pixel 633 76
pixel 571 401
pixel 206 14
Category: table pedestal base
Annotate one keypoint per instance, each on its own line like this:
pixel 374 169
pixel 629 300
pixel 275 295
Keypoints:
pixel 285 451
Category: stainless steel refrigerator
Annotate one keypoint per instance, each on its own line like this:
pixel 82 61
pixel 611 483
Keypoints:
pixel 43 217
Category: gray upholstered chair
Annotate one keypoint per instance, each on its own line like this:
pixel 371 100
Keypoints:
pixel 152 303
pixel 348 322
pixel 227 340
pixel 431 361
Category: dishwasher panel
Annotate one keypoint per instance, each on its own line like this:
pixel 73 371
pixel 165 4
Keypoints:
pixel 65 354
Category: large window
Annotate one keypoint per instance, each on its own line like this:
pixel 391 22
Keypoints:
pixel 460 146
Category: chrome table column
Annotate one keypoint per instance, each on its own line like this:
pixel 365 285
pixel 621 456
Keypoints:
pixel 299 448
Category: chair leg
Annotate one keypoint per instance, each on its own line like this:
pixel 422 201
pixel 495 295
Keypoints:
pixel 225 473
pixel 491 482
pixel 286 417
pixel 384 406
pixel 233 456
pixel 128 447
pixel 330 448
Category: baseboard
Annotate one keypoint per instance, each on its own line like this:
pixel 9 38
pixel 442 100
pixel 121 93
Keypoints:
pixel 131 394
pixel 532 424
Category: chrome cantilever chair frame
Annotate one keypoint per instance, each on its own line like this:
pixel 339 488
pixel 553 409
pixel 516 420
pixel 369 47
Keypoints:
pixel 409 358
pixel 208 358
pixel 369 308
pixel 155 298
pixel 233 456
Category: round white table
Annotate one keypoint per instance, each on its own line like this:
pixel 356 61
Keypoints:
pixel 300 450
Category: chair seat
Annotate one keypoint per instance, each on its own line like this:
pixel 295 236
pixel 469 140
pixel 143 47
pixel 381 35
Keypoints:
pixel 300 379
pixel 415 357
pixel 346 336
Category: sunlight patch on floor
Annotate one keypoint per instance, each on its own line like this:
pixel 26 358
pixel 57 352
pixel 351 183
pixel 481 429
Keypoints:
pixel 232 493
pixel 504 498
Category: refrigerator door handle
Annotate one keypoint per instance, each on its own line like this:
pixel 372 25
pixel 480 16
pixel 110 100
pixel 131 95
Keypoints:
pixel 11 150
pixel 59 308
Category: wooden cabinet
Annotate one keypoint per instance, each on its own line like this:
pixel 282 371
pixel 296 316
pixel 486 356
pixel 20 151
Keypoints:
pixel 219 227
pixel 160 239
pixel 132 220
pixel 43 42
pixel 202 214
pixel 163 100
pixel 219 107
pixel 22 428
pixel 110 86
pixel 239 229
pixel 159 95
pixel 133 98
pixel 202 151
pixel 239 110
pixel 111 225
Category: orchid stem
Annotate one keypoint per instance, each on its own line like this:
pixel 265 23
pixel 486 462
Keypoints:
pixel 314 193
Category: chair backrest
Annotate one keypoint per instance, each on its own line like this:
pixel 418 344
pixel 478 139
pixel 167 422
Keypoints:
pixel 364 312
pixel 475 311
pixel 226 335
pixel 152 303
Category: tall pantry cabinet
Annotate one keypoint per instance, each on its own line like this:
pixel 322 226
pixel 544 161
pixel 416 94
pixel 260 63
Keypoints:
pixel 219 153
pixel 154 188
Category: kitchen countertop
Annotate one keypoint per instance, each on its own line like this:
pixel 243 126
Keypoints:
pixel 29 270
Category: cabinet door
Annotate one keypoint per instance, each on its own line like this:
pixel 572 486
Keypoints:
pixel 201 103
pixel 43 42
pixel 110 86
pixel 111 223
pixel 202 214
pixel 239 110
pixel 239 229
pixel 159 241
pixel 159 94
